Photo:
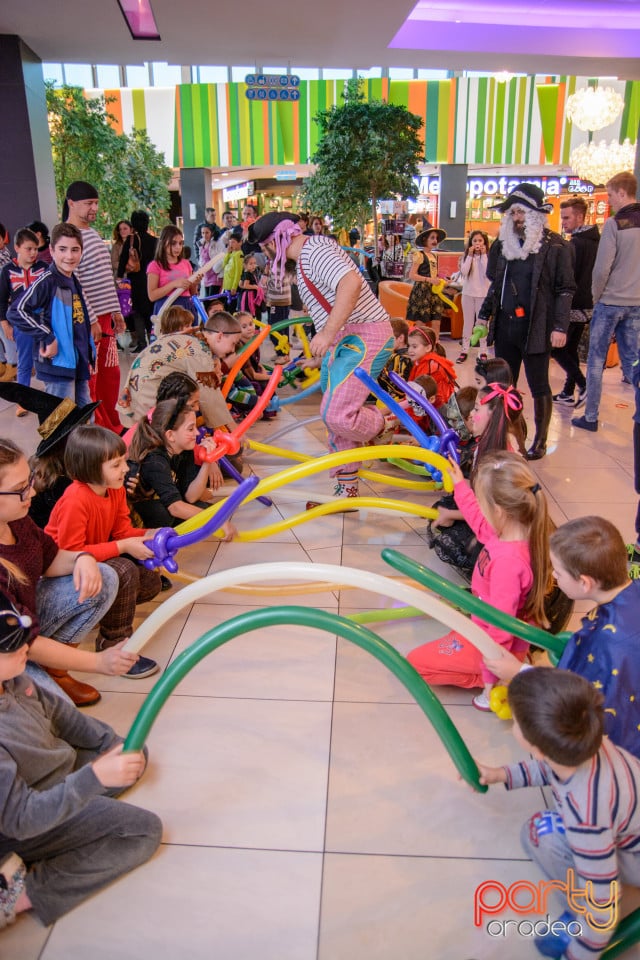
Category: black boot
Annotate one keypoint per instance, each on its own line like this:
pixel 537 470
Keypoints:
pixel 542 407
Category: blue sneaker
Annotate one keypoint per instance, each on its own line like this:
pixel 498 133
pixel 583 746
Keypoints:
pixel 555 944
pixel 144 667
pixel 585 424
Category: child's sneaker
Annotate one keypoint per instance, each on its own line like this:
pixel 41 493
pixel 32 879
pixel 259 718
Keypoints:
pixel 554 944
pixel 143 667
pixel 481 702
pixel 563 397
pixel 13 874
pixel 582 395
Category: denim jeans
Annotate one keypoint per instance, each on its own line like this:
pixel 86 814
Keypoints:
pixel 607 320
pixel 24 346
pixel 10 350
pixel 61 616
pixel 76 390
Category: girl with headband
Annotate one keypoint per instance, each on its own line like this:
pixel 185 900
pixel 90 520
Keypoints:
pixel 507 512
pixel 352 330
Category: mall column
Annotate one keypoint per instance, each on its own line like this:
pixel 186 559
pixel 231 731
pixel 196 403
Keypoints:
pixel 453 204
pixel 195 195
pixel 27 186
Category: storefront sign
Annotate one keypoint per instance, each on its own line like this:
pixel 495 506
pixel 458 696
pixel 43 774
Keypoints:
pixel 240 192
pixel 286 175
pixel 501 186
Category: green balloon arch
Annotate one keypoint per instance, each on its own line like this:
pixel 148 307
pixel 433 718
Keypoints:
pixel 318 620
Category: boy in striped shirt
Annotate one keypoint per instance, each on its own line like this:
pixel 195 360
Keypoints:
pixel 590 844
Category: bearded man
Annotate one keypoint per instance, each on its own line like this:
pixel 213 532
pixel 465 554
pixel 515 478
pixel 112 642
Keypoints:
pixel 528 305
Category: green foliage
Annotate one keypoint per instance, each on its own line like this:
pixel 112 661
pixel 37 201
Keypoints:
pixel 368 151
pixel 127 171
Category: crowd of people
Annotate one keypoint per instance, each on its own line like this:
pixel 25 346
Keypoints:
pixel 118 460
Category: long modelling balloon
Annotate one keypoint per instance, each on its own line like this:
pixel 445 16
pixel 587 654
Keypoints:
pixel 395 408
pixel 258 573
pixel 277 402
pixel 363 474
pixel 319 464
pixel 237 476
pixel 316 620
pixel 166 542
pixel 462 598
pixel 289 427
pixel 202 313
pixel 242 358
pixel 448 438
pixel 200 272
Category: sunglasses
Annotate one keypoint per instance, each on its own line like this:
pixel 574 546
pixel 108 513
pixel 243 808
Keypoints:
pixel 23 493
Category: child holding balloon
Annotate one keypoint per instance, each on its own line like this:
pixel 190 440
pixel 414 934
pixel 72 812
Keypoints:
pixel 92 516
pixel 496 424
pixel 507 512
pixel 171 485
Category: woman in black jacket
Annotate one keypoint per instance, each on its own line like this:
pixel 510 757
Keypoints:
pixel 139 321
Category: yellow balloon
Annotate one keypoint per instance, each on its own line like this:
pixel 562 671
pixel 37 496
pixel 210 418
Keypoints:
pixel 399 482
pixel 338 506
pixel 438 288
pixel 318 465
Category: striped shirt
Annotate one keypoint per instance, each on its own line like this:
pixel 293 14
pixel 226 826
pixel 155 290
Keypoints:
pixel 325 264
pixel 601 815
pixel 95 274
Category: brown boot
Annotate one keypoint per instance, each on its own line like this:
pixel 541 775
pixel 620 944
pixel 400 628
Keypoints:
pixel 10 372
pixel 82 694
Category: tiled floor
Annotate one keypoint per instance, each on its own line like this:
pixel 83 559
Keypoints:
pixel 310 810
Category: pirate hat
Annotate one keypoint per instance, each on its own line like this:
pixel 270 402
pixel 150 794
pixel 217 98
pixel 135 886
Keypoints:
pixel 56 417
pixel 262 228
pixel 525 195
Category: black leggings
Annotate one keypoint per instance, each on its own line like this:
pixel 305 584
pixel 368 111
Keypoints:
pixel 510 340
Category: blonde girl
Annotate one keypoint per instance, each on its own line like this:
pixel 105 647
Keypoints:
pixel 507 511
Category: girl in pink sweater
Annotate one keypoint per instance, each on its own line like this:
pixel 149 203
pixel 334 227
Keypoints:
pixel 507 511
pixel 92 516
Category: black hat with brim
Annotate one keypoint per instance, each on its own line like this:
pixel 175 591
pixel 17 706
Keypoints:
pixel 262 228
pixel 56 417
pixel 525 195
pixel 421 239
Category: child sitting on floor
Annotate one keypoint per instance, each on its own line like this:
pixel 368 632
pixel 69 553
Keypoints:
pixel 594 830
pixel 63 834
pixel 426 360
pixel 507 511
pixel 399 362
pixel 92 515
pixel 589 560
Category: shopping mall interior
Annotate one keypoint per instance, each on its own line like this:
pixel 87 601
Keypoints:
pixel 310 808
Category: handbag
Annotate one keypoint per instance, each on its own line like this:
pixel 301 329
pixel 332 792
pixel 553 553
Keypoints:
pixel 133 262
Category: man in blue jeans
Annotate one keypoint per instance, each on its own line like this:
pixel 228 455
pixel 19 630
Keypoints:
pixel 616 293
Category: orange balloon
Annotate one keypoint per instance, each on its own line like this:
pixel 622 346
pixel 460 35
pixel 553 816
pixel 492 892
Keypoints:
pixel 242 358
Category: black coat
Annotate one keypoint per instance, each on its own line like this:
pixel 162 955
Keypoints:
pixel 145 244
pixel 584 247
pixel 552 290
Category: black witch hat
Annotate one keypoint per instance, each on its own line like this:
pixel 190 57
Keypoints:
pixel 57 417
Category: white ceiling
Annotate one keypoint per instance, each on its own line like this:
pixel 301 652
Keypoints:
pixel 338 33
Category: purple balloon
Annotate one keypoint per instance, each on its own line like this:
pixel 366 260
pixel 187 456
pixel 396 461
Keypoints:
pixel 167 542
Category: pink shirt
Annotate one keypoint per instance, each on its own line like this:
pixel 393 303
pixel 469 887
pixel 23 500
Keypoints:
pixel 502 576
pixel 180 269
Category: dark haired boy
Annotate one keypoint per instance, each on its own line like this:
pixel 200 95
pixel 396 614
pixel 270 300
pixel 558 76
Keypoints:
pixel 589 560
pixel 15 277
pixel 53 312
pixel 590 844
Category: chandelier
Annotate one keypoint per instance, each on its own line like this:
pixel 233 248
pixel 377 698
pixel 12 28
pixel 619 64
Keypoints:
pixel 594 107
pixel 599 162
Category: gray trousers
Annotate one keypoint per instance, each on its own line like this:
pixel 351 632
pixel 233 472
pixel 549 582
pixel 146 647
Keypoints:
pixel 73 861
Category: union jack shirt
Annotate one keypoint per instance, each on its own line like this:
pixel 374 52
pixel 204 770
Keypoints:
pixel 15 279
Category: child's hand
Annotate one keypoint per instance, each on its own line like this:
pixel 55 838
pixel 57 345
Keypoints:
pixel 454 469
pixel 136 547
pixel 114 661
pixel 87 578
pixel 49 351
pixel 216 480
pixel 489 775
pixel 118 769
pixel 445 518
pixel 505 666
pixel 182 283
pixel 229 531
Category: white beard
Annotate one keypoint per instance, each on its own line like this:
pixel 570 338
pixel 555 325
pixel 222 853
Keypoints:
pixel 534 226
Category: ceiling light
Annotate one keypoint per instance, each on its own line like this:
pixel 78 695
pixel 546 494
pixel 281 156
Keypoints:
pixel 599 162
pixel 140 19
pixel 594 107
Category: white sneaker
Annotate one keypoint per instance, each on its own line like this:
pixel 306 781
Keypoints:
pixel 481 702
pixel 12 880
